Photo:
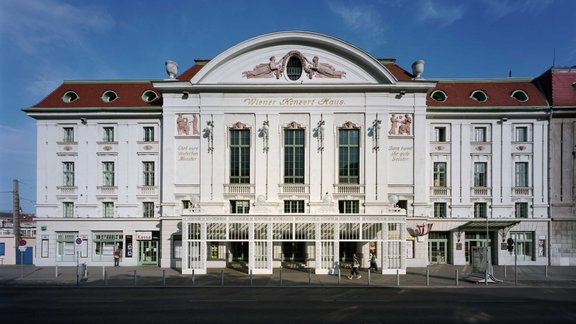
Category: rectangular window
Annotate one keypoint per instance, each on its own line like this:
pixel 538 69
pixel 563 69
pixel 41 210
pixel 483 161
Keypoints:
pixel 521 174
pixel 521 134
pixel 293 206
pixel 239 156
pixel 480 210
pixel 440 209
pixel 68 209
pixel 348 206
pixel 108 134
pixel 523 245
pixel 105 244
pixel 108 209
pixel 2 249
pixel 294 156
pixel 439 174
pixel 148 169
pixel 65 247
pixel 479 134
pixel 148 134
pixel 480 177
pixel 68 135
pixel 521 210
pixel 108 173
pixel 68 172
pixel 439 134
pixel 349 155
pixel 148 209
pixel 44 248
pixel 240 206
pixel 186 204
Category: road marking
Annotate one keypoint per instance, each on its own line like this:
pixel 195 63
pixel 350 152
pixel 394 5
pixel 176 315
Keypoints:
pixel 222 300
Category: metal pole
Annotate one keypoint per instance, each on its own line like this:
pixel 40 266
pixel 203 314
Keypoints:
pixel 504 270
pixel 134 277
pixel 339 276
pixel 77 268
pixel 427 277
pixel 164 277
pixel 309 277
pixel 250 277
pixel 456 277
pixel 221 277
pixel 486 254
pixel 103 272
pixel 56 274
pixel 398 277
pixel 546 271
pixel 21 264
pixel 369 277
pixel 515 267
pixel 280 276
pixel 105 278
pixel 193 278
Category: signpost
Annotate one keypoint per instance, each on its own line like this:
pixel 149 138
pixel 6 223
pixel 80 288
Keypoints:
pixel 78 244
pixel 22 249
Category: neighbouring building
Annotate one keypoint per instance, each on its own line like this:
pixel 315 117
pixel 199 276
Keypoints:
pixel 294 149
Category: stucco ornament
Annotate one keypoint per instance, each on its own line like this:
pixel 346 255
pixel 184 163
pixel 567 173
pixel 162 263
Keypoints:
pixel 312 68
pixel 171 68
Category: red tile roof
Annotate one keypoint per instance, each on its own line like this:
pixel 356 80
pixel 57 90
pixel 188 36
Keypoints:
pixel 498 91
pixel 90 95
pixel 398 72
pixel 564 88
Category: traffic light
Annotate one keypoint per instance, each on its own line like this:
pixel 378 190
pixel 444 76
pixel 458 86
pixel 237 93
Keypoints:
pixel 510 243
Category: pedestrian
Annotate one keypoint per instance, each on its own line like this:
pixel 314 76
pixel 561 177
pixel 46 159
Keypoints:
pixel 117 254
pixel 373 263
pixel 355 265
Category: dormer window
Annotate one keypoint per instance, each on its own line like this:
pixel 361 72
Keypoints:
pixel 109 96
pixel 70 96
pixel 439 95
pixel 149 96
pixel 479 95
pixel 519 95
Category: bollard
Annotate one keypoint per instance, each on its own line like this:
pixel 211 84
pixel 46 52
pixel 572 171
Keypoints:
pixel 398 277
pixel 427 277
pixel 221 277
pixel 280 276
pixel 134 277
pixel 546 269
pixel 103 272
pixel 369 277
pixel 164 277
pixel 105 278
pixel 339 276
pixel 456 277
pixel 504 270
pixel 193 278
pixel 309 277
pixel 250 277
pixel 56 272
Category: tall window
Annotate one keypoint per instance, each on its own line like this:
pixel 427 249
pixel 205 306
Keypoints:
pixel 108 134
pixel 108 173
pixel 440 209
pixel 294 206
pixel 521 174
pixel 148 168
pixel 68 209
pixel 349 156
pixel 148 134
pixel 240 206
pixel 68 135
pixel 148 209
pixel 440 134
pixel 68 172
pixel 524 245
pixel 480 210
pixel 521 210
pixel 480 179
pixel 348 206
pixel 479 134
pixel 521 134
pixel 239 156
pixel 294 156
pixel 108 207
pixel 439 174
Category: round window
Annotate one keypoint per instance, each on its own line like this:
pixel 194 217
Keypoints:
pixel 294 68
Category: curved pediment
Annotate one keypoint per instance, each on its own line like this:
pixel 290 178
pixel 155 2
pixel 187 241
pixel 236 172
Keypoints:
pixel 294 57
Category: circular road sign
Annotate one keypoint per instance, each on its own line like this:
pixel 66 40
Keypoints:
pixel 78 241
pixel 23 242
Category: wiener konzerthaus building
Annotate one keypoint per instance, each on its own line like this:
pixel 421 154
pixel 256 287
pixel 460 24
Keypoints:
pixel 297 149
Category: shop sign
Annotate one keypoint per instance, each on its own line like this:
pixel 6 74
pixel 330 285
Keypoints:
pixel 144 236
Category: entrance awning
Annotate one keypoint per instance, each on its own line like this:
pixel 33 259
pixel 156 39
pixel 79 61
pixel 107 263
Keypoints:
pixel 477 225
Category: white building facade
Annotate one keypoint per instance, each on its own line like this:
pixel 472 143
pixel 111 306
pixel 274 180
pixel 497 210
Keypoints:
pixel 291 149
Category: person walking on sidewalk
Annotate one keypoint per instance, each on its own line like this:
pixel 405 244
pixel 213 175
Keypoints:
pixel 373 263
pixel 117 254
pixel 355 266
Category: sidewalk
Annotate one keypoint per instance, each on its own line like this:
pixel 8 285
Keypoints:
pixel 151 276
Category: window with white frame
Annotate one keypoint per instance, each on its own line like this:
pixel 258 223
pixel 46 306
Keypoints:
pixel 68 135
pixel 521 134
pixel 294 156
pixel 105 243
pixel 68 174
pixel 439 134
pixel 439 174
pixel 239 156
pixel 65 247
pixel 480 210
pixel 480 134
pixel 348 206
pixel 148 173
pixel 68 209
pixel 148 134
pixel 293 206
pixel 108 173
pixel 348 156
pixel 148 209
pixel 440 209
pixel 521 210
pixel 108 134
pixel 521 174
pixel 240 206
pixel 480 176
pixel 108 208
pixel 523 245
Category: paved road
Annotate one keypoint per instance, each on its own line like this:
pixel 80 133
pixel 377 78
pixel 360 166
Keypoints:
pixel 287 305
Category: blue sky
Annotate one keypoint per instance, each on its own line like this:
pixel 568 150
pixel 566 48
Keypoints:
pixel 43 42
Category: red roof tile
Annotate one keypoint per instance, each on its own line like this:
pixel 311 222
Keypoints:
pixel 398 72
pixel 499 94
pixel 564 88
pixel 90 95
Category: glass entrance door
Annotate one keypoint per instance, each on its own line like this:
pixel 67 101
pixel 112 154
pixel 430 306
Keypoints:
pixel 148 252
pixel 438 248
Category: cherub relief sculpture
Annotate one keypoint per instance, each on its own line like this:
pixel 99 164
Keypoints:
pixel 311 68
pixel 183 125
pixel 400 125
